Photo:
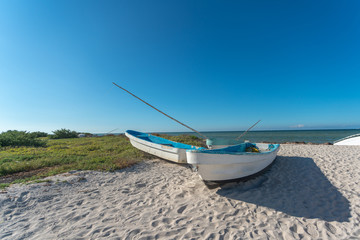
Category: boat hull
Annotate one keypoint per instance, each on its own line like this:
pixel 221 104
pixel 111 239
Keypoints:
pixel 223 167
pixel 353 140
pixel 165 149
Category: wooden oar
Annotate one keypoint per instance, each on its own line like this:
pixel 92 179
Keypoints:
pixel 203 136
pixel 238 138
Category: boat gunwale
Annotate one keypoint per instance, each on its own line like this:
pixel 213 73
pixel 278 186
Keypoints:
pixel 222 151
pixel 175 145
pixel 346 138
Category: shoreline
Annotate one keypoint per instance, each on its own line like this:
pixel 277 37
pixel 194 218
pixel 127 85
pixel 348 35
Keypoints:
pixel 311 191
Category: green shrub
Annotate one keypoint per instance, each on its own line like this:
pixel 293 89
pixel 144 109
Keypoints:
pixel 16 138
pixel 188 139
pixel 39 134
pixel 64 133
pixel 184 138
pixel 4 185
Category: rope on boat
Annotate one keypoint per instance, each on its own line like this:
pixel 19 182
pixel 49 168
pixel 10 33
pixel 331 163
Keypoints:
pixel 203 136
pixel 238 138
pixel 112 130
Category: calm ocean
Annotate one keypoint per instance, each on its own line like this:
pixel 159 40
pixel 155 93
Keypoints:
pixel 313 136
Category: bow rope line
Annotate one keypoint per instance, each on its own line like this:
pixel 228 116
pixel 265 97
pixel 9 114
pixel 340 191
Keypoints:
pixel 238 138
pixel 203 136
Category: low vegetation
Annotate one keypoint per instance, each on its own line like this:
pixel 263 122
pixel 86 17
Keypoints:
pixel 107 153
pixel 63 133
pixel 14 138
pixel 39 134
pixel 187 139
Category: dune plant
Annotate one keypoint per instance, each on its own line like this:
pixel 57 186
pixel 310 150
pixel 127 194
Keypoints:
pixel 63 133
pixel 184 138
pixel 102 153
pixel 14 138
pixel 39 134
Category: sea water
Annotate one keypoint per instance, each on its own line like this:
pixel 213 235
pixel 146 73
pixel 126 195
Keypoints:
pixel 312 136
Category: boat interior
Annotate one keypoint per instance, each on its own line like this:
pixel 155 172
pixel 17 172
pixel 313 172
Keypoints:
pixel 244 148
pixel 162 141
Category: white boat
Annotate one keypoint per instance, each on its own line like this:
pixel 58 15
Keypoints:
pixel 352 140
pixel 232 162
pixel 161 147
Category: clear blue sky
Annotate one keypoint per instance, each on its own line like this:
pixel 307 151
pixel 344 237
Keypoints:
pixel 215 65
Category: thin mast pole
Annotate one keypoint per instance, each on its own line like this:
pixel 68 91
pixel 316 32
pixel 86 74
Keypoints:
pixel 161 111
pixel 112 130
pixel 247 130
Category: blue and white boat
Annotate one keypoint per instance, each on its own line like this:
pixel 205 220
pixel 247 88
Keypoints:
pixel 163 148
pixel 232 162
pixel 353 140
pixel 222 164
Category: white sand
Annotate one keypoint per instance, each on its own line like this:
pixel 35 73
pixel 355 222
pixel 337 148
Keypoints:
pixel 311 192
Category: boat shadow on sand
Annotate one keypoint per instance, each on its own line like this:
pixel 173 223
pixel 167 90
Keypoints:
pixel 292 185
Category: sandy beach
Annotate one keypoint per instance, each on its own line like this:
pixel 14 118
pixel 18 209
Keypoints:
pixel 310 192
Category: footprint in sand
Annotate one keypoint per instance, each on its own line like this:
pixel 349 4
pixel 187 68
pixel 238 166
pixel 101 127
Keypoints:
pixel 311 230
pixel 24 196
pixel 125 190
pixel 140 185
pixel 155 223
pixel 181 209
pixel 166 220
pixel 132 234
pixel 330 228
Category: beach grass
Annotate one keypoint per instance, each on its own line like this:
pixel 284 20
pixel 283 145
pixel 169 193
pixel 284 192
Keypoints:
pixel 107 153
